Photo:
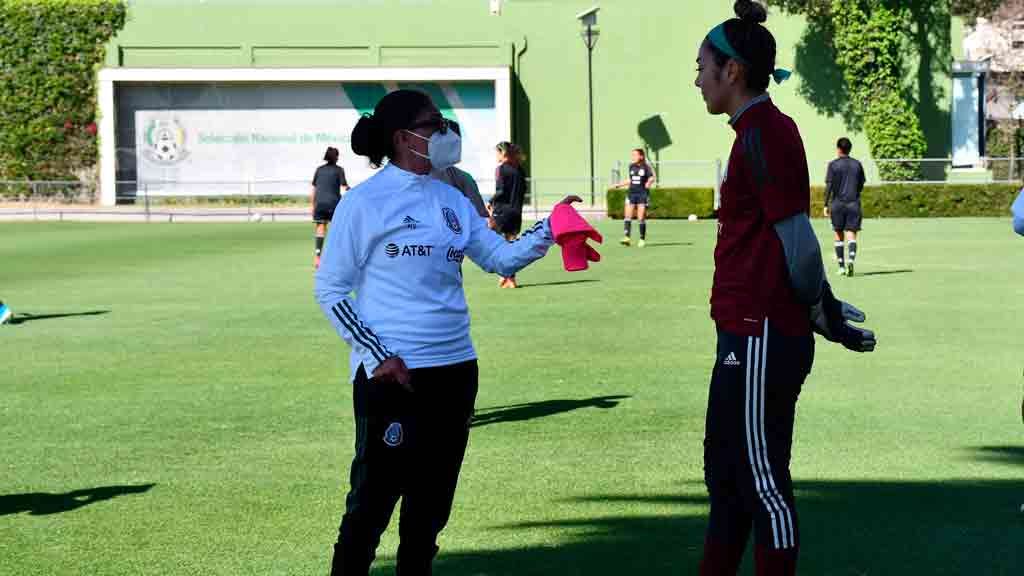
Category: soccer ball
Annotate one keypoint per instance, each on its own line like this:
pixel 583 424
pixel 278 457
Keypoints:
pixel 255 217
pixel 166 146
pixel 692 218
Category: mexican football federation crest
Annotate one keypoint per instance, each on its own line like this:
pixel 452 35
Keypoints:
pixel 393 436
pixel 164 142
pixel 451 220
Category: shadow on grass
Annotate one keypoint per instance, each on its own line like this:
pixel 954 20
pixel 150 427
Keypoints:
pixel 541 409
pixel 23 317
pixel 559 283
pixel 666 244
pixel 884 272
pixel 847 528
pixel 42 503
pixel 1002 454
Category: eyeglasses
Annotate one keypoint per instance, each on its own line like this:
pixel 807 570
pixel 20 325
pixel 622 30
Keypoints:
pixel 439 124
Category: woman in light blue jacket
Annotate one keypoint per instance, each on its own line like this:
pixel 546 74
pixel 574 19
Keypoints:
pixel 390 282
pixel 1018 214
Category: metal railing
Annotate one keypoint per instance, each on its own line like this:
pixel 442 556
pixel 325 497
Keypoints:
pixel 677 173
pixel 544 193
pixel 289 199
pixel 168 201
pixel 239 200
pixel 681 174
pixel 942 171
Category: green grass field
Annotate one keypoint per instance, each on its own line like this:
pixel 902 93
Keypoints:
pixel 176 405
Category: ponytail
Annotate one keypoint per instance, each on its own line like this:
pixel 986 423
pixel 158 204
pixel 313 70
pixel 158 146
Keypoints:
pixel 373 134
pixel 745 40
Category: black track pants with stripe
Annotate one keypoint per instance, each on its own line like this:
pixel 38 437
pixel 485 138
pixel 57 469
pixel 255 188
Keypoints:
pixel 408 446
pixel 748 437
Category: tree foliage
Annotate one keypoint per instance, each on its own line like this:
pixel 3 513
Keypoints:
pixel 869 39
pixel 971 9
pixel 50 51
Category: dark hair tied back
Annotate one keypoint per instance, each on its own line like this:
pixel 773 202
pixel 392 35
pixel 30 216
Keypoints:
pixel 511 151
pixel 750 11
pixel 331 155
pixel 362 140
pixel 752 41
pixel 372 135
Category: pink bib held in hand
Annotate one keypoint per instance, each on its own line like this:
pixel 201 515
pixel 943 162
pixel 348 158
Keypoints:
pixel 571 231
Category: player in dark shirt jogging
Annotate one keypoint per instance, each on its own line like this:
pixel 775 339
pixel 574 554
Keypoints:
pixel 769 293
pixel 328 185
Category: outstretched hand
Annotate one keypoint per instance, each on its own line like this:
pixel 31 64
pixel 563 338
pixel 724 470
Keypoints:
pixel 831 318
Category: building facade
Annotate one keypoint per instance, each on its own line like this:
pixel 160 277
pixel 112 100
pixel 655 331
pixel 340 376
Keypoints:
pixel 242 96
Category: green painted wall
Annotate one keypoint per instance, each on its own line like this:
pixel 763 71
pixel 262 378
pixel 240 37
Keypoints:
pixel 643 65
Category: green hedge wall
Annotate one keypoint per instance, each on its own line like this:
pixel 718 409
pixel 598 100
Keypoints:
pixel 886 201
pixel 1004 140
pixel 667 203
pixel 50 51
pixel 929 200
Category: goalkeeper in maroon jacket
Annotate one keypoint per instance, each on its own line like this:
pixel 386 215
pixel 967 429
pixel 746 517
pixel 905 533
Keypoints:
pixel 768 297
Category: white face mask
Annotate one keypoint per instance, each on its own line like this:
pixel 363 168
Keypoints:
pixel 443 150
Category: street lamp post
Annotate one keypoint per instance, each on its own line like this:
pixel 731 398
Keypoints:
pixel 1015 150
pixel 589 21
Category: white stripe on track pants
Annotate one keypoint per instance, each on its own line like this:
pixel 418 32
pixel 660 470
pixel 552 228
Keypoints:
pixel 749 435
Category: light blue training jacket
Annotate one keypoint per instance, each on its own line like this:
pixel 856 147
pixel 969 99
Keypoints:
pixel 390 276
pixel 1018 213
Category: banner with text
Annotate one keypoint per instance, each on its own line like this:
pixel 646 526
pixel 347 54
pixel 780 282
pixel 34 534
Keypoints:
pixel 276 151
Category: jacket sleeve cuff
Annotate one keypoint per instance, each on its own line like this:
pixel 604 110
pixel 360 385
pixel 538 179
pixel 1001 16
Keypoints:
pixel 370 363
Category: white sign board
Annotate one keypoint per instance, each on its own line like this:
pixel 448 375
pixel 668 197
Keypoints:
pixel 222 151
pixel 237 152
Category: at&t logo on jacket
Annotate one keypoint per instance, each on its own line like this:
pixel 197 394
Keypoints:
pixel 394 250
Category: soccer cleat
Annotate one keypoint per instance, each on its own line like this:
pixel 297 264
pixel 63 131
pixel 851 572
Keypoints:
pixel 5 313
pixel 842 271
pixel 625 241
pixel 849 270
pixel 641 243
pixel 316 262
